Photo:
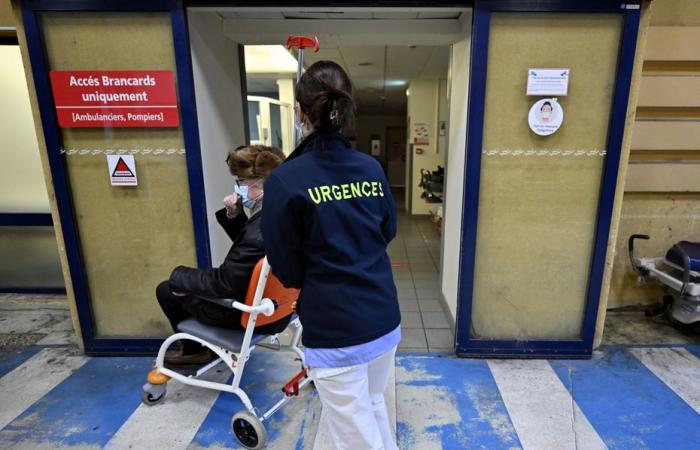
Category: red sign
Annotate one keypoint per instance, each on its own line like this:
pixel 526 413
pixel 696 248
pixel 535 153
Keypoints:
pixel 115 98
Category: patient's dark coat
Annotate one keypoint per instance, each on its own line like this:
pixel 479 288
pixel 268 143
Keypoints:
pixel 229 280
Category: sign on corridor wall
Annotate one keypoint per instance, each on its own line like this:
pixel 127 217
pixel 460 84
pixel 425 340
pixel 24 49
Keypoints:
pixel 115 98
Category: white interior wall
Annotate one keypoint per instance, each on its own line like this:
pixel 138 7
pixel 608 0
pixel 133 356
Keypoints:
pixel 28 255
pixel 219 114
pixel 443 115
pixel 22 186
pixel 285 88
pixel 455 170
pixel 423 107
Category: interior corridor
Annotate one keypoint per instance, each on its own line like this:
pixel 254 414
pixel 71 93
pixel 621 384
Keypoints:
pixel 415 257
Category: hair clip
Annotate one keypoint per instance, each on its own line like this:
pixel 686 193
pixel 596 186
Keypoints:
pixel 334 115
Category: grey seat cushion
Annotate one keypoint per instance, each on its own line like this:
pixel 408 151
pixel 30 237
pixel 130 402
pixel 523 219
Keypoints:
pixel 229 339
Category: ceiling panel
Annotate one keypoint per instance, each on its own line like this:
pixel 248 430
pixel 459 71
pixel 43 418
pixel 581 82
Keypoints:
pixel 437 64
pixel 369 82
pixel 439 14
pixel 332 15
pixel 405 62
pixel 395 15
pixel 375 70
pixel 304 15
pixel 329 55
pixel 252 15
pixel 362 53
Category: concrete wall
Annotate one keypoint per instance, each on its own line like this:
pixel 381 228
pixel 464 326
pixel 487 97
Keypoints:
pixel 423 107
pixel 663 176
pixel 219 113
pixel 454 181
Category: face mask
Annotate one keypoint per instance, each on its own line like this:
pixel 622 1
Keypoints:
pixel 300 126
pixel 546 115
pixel 243 192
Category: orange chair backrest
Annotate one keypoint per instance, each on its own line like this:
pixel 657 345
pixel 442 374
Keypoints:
pixel 274 290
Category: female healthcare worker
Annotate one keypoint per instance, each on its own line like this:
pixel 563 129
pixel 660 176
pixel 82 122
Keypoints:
pixel 327 221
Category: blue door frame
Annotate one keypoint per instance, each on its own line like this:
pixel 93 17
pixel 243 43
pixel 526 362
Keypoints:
pixel 52 134
pixel 465 344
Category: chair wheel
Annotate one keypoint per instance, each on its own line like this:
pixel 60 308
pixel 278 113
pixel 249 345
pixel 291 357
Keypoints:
pixel 248 429
pixel 148 398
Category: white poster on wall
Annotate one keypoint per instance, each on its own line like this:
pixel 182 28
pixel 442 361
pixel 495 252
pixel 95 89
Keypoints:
pixel 553 82
pixel 421 133
pixel 376 147
pixel 122 170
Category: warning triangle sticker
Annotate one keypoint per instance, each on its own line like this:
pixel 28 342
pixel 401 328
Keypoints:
pixel 122 169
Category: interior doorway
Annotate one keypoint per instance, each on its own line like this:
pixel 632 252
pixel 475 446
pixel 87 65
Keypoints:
pixel 397 59
pixel 396 156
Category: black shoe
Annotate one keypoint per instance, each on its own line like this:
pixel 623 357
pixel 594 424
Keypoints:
pixel 177 358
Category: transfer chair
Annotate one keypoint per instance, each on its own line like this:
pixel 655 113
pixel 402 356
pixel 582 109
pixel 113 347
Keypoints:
pixel 266 301
pixel 679 271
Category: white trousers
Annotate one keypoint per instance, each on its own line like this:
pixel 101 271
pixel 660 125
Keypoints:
pixel 352 405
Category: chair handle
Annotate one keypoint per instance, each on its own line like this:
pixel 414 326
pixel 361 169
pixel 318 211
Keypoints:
pixel 630 252
pixel 686 268
pixel 266 307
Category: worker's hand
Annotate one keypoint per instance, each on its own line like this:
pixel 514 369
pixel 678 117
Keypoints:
pixel 232 204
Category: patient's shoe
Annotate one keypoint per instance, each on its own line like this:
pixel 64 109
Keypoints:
pixel 177 358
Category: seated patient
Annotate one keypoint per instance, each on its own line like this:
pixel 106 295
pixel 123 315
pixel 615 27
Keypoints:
pixel 240 218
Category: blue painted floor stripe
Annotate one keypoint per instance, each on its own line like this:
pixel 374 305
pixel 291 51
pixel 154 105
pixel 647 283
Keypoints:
pixel 627 404
pixel 694 349
pixel 467 386
pixel 85 409
pixel 15 360
pixel 264 375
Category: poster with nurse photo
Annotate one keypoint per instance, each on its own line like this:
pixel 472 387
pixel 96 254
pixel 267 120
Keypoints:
pixel 545 116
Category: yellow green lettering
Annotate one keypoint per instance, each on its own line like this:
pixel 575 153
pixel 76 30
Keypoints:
pixel 355 187
pixel 315 198
pixel 336 192
pixel 374 189
pixel 326 193
pixel 366 193
pixel 381 191
pixel 346 191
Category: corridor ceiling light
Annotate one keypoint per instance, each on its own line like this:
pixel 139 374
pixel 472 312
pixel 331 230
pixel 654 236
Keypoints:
pixel 269 59
pixel 395 83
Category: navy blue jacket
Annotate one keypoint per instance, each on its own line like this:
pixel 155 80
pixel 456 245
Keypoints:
pixel 328 218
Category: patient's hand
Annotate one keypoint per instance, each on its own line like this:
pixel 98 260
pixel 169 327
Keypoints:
pixel 232 205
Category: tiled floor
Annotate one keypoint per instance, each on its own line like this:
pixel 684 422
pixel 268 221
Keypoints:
pixel 415 255
pixel 641 392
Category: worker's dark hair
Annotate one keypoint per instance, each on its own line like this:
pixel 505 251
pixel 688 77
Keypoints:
pixel 547 103
pixel 324 94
